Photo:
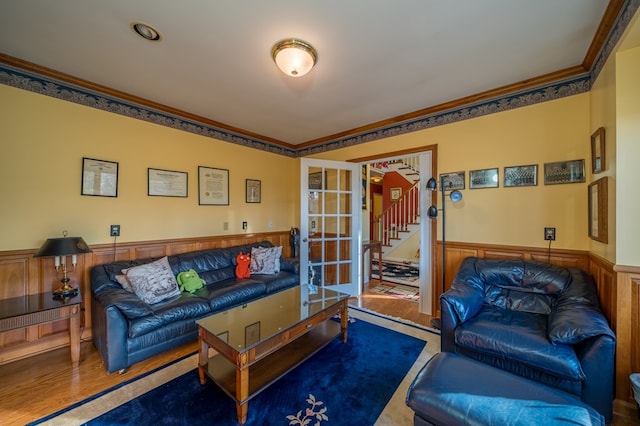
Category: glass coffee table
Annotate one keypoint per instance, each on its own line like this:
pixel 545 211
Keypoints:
pixel 257 343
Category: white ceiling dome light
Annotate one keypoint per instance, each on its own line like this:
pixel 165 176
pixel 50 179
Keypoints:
pixel 294 57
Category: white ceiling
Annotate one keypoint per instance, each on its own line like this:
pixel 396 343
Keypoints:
pixel 377 59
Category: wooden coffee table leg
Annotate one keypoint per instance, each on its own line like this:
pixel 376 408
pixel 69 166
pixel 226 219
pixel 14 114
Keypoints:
pixel 203 360
pixel 344 320
pixel 242 388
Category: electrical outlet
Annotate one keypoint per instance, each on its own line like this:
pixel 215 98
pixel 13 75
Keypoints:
pixel 244 226
pixel 550 234
pixel 225 226
pixel 114 231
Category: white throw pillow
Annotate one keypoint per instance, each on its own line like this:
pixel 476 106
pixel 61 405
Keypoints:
pixel 265 260
pixel 153 282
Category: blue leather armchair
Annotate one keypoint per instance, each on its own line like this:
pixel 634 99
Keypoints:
pixel 533 319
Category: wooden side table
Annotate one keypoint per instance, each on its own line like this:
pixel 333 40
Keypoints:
pixel 374 247
pixel 42 308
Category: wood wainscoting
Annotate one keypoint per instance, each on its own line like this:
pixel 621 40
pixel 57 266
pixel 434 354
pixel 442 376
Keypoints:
pixel 22 274
pixel 627 330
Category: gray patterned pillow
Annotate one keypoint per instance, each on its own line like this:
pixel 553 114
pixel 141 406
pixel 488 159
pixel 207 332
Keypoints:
pixel 153 282
pixel 265 260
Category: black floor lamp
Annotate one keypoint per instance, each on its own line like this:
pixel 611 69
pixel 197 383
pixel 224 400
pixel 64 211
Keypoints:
pixel 432 213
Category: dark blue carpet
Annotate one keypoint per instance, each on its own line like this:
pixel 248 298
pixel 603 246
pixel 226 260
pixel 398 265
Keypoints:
pixel 349 383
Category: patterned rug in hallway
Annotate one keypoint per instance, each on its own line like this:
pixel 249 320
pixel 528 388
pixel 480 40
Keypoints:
pixel 402 292
pixel 397 273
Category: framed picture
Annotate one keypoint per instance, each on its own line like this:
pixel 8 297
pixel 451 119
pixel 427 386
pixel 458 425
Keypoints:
pixel 598 210
pixel 597 151
pixel 395 193
pixel 213 186
pixel 252 334
pixel 166 183
pixel 564 172
pixel 521 175
pixel 315 180
pixel 253 191
pixel 451 181
pixel 99 178
pixel 487 178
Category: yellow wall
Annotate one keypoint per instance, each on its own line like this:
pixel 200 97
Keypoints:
pixel 547 132
pixel 603 114
pixel 43 140
pixel 628 151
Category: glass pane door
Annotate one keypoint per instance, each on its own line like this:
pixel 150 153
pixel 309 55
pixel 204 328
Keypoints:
pixel 330 224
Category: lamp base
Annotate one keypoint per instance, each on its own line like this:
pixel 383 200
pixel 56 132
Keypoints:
pixel 64 292
pixel 436 323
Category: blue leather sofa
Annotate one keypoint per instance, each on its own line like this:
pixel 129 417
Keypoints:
pixel 535 320
pixel 127 330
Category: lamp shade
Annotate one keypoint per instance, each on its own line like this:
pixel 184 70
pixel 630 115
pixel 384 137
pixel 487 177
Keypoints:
pixel 432 185
pixel 294 57
pixel 455 196
pixel 62 247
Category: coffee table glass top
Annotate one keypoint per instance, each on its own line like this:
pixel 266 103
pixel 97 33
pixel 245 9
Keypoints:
pixel 247 325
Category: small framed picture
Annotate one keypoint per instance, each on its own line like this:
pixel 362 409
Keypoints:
pixel 395 193
pixel 521 175
pixel 564 172
pixel 451 181
pixel 99 178
pixel 253 188
pixel 487 178
pixel 597 151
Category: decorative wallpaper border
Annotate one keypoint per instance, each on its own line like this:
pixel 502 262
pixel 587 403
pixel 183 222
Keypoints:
pixel 36 83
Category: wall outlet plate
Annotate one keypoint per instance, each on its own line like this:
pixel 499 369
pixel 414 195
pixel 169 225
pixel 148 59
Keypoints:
pixel 244 225
pixel 114 231
pixel 550 234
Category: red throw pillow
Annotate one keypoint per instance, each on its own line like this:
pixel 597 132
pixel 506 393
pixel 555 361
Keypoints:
pixel 242 269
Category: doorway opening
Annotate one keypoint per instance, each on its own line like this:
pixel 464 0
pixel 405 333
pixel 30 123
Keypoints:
pixel 394 215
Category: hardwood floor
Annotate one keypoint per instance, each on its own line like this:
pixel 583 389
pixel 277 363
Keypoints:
pixel 35 387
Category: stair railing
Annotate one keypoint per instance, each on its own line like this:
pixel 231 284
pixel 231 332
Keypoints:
pixel 397 217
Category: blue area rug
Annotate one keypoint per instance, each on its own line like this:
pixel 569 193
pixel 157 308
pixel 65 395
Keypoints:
pixel 343 384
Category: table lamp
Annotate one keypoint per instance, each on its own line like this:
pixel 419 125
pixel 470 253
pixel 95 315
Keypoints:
pixel 60 248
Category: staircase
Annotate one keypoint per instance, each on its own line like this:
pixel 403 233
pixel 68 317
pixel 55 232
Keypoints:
pixel 401 219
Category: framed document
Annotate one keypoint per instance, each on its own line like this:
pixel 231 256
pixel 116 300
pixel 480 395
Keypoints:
pixel 167 183
pixel 213 186
pixel 99 178
pixel 253 191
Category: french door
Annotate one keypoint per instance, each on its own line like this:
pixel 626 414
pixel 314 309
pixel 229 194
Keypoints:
pixel 330 231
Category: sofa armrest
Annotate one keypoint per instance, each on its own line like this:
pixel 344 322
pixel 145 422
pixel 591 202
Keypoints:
pixel 109 333
pixel 290 264
pixel 457 305
pixel 597 359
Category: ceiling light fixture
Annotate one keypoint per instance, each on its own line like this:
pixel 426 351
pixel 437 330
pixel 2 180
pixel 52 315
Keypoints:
pixel 145 31
pixel 294 57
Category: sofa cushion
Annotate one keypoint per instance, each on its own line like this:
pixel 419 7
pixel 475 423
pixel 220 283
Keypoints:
pixel 265 260
pixel 231 292
pixel 153 282
pixel 520 337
